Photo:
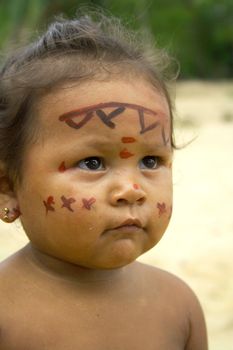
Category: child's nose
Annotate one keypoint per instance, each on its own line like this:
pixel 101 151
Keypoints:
pixel 127 195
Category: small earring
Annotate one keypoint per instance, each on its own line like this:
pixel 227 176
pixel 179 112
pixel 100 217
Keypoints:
pixel 6 212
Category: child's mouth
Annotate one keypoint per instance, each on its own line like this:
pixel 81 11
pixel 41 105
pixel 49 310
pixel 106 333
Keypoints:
pixel 131 222
pixel 130 225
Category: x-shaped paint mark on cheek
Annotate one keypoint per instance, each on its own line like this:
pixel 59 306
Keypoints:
pixel 87 203
pixel 48 204
pixel 67 202
pixel 162 208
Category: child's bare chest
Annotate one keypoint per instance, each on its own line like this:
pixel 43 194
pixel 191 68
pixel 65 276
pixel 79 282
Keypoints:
pixel 91 325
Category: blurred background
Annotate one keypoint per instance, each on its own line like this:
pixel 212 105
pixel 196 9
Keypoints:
pixel 198 244
pixel 198 32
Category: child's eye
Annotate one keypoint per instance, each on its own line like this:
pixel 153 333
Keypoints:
pixel 149 162
pixel 91 163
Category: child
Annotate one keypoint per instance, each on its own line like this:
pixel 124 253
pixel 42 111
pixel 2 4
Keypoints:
pixel 86 146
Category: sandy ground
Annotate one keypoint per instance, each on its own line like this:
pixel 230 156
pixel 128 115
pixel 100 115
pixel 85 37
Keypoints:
pixel 198 244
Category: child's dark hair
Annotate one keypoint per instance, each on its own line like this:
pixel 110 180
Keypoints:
pixel 92 47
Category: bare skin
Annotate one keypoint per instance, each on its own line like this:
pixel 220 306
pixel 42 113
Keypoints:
pixel 92 200
pixel 134 307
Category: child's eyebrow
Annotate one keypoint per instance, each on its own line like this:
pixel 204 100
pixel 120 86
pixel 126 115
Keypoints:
pixel 98 110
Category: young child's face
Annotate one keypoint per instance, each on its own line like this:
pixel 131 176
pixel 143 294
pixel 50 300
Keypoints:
pixel 97 185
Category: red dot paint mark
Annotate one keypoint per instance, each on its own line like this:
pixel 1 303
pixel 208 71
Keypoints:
pixel 136 186
pixel 62 167
pixel 162 208
pixel 48 204
pixel 67 202
pixel 87 203
pixel 128 139
pixel 125 154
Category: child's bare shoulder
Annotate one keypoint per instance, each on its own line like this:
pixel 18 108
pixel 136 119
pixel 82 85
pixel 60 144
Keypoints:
pixel 13 278
pixel 179 300
pixel 11 267
pixel 164 279
pixel 169 288
pixel 9 272
pixel 20 301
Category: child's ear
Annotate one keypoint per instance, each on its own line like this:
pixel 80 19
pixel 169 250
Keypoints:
pixel 9 208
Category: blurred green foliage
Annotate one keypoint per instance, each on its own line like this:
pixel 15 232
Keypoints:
pixel 199 33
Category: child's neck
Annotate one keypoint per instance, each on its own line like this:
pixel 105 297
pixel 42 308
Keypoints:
pixel 68 272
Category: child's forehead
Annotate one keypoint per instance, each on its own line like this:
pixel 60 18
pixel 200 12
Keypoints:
pixel 83 108
pixel 138 92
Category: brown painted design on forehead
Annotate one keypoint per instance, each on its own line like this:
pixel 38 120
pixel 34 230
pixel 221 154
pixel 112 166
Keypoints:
pixel 125 154
pixel 128 139
pixel 48 204
pixel 106 118
pixel 67 202
pixel 98 110
pixel 87 203
pixel 62 167
pixel 162 208
pixel 165 140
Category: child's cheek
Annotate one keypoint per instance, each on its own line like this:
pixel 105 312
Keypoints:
pixel 69 203
pixel 164 210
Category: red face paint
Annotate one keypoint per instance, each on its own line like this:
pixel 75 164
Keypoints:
pixel 48 204
pixel 67 202
pixel 62 167
pixel 87 203
pixel 128 139
pixel 162 208
pixel 136 186
pixel 126 154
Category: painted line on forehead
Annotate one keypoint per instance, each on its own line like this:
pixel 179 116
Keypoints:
pixel 62 167
pixel 67 202
pixel 107 118
pixel 142 123
pixel 74 125
pixel 165 140
pixel 128 139
pixel 93 108
pixel 87 203
pixel 162 208
pixel 49 204
pixel 124 154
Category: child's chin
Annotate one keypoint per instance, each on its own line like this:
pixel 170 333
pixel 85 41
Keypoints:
pixel 121 257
